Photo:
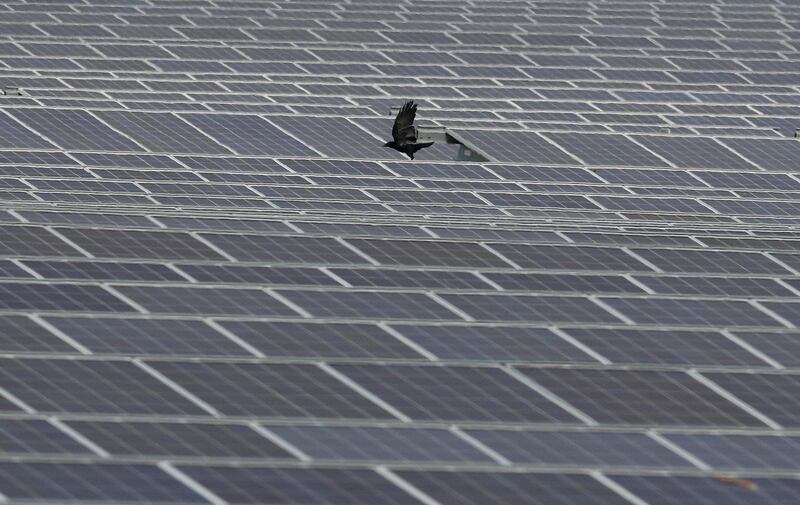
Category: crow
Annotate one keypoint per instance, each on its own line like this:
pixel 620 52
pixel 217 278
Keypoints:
pixel 404 133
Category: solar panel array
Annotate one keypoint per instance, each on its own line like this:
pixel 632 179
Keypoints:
pixel 217 287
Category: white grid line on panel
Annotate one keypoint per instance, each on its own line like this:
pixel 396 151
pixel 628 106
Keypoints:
pixel 680 451
pixel 638 283
pixel 617 488
pixel 488 281
pixel 566 406
pixel 78 437
pixel 234 338
pixel 580 345
pixel 771 313
pixel 212 246
pixel 405 486
pixel 69 242
pixel 369 395
pixel 177 387
pixel 752 350
pixel 449 306
pixel 192 484
pixel 16 401
pixel 280 442
pixel 134 305
pixel 611 310
pixel 733 399
pixel 641 260
pixel 335 277
pixel 300 310
pixel 781 263
pixel 366 257
pixel 485 449
pixel 408 342
pixel 500 255
pixel 60 334
pixel 31 271
pixel 305 144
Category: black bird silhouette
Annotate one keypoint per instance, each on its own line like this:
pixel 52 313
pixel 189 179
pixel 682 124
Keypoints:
pixel 404 133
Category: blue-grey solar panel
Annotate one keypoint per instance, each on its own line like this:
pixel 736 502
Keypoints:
pixel 248 135
pixel 74 129
pixel 576 448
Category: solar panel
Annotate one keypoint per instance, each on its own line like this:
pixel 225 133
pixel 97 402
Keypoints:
pixel 580 448
pixel 478 488
pixel 638 397
pixel 93 482
pixel 455 393
pixel 179 439
pixel 380 444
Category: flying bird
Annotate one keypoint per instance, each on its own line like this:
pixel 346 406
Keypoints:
pixel 404 133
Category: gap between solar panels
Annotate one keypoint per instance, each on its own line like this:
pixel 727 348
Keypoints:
pixel 440 135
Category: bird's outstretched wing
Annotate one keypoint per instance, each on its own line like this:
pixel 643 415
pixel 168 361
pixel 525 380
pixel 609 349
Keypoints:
pixel 404 131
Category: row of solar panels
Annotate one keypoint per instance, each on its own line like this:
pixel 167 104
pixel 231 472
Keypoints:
pixel 678 254
pixel 377 199
pixel 455 342
pixel 278 136
pixel 517 394
pixel 564 448
pixel 186 483
pixel 229 275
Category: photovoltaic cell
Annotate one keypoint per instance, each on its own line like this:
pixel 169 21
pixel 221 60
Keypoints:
pixel 530 308
pixel 369 305
pixel 514 146
pixel 450 393
pixel 493 343
pixel 770 394
pixel 59 297
pixel 684 311
pixel 320 340
pixel 162 132
pixel 429 253
pixel 178 439
pixel 17 136
pixel 285 249
pixel 580 449
pixel 21 334
pixel 349 141
pixel 74 129
pixel 512 488
pixel 694 152
pixel 606 150
pixel 139 244
pixel 710 491
pixel 32 436
pixel 638 397
pixel 380 444
pixel 569 257
pixel 665 347
pixel 266 390
pixel 147 336
pixel 109 387
pixel 738 452
pixel 32 241
pixel 767 153
pixel 309 486
pixel 62 482
pixel 103 271
pixel 206 301
pixel 248 135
